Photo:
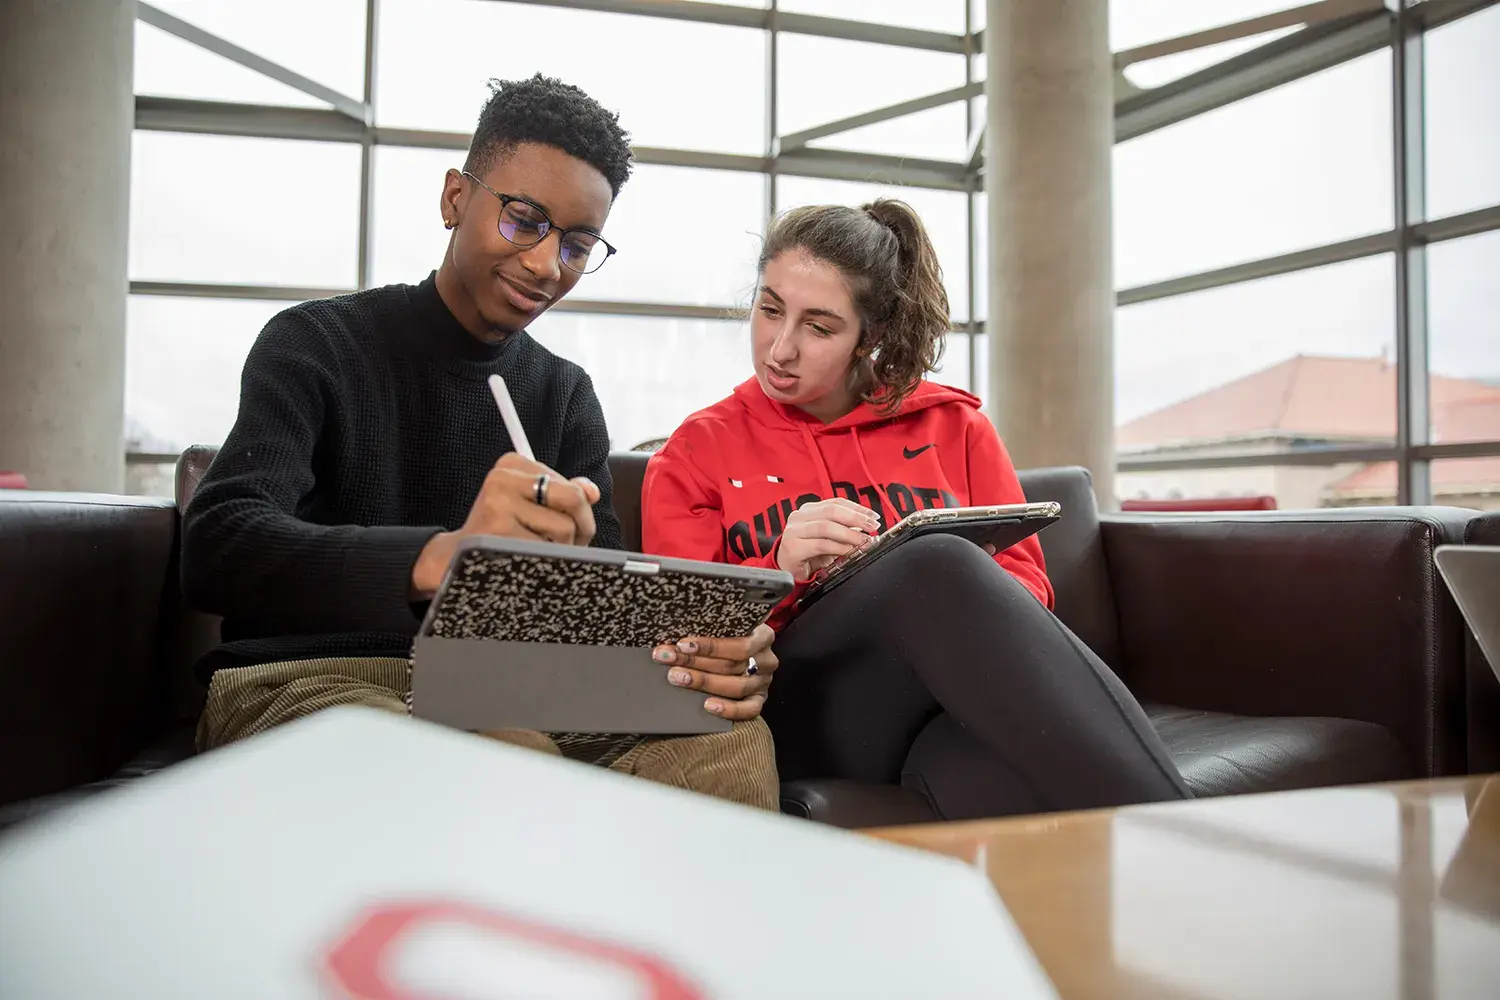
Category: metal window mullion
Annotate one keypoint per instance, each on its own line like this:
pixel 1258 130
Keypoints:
pixel 241 56
pixel 367 150
pixel 969 245
pixel 1314 455
pixel 299 293
pixel 772 96
pixel 799 140
pixel 737 16
pixel 1413 474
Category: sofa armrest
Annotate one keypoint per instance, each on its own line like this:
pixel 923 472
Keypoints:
pixel 81 579
pixel 1335 613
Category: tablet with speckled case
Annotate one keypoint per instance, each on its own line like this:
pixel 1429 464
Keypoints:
pixel 557 638
pixel 519 591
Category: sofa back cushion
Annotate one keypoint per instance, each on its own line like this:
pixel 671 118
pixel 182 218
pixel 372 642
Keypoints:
pixel 1075 559
pixel 628 470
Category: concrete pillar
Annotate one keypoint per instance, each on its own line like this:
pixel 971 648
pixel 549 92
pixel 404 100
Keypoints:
pixel 1048 141
pixel 66 113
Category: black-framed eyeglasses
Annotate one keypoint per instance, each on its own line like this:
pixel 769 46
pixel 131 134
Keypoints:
pixel 526 225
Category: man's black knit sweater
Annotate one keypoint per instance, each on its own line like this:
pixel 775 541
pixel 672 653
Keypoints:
pixel 365 427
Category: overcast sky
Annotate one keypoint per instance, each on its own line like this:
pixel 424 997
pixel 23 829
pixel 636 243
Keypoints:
pixel 1300 166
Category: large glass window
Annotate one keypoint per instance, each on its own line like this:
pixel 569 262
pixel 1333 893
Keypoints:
pixel 820 80
pixel 1271 365
pixel 684 235
pixel 167 66
pixel 1133 23
pixel 1286 487
pixel 406 226
pixel 225 209
pixel 1456 482
pixel 650 373
pixel 327 45
pixel 1463 306
pixel 935 134
pixel 1463 114
pixel 1261 368
pixel 931 15
pixel 954 369
pixel 1306 164
pixel 674 83
pixel 183 358
pixel 942 212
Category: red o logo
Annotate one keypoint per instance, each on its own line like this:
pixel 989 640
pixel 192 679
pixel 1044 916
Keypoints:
pixel 448 950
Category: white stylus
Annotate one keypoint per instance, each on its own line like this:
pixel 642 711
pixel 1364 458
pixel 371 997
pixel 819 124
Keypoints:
pixel 511 418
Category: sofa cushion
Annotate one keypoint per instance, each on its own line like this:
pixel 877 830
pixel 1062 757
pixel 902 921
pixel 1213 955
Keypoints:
pixel 854 804
pixel 1217 753
pixel 1223 754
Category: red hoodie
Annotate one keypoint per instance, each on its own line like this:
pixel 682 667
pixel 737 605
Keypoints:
pixel 722 488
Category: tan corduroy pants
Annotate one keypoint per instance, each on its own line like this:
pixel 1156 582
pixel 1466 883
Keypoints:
pixel 739 765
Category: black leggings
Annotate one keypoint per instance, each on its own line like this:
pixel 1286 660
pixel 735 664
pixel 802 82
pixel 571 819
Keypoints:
pixel 937 669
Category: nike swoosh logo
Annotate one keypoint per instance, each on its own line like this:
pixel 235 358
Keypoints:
pixel 909 453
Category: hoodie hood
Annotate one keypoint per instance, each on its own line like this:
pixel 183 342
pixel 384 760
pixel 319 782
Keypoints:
pixel 765 410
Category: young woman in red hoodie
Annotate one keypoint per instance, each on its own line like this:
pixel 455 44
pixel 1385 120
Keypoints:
pixel 941 667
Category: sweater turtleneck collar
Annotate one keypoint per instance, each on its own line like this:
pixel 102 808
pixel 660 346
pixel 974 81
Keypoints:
pixel 445 338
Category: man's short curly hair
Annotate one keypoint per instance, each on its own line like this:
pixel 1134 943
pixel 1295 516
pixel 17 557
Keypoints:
pixel 546 110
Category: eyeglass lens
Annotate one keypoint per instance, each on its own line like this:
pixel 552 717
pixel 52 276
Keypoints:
pixel 524 226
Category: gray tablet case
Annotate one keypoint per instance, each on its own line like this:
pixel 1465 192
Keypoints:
pixel 1001 530
pixel 1473 575
pixel 558 639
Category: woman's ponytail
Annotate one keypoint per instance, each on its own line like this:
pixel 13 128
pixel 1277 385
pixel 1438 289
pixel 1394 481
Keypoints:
pixel 916 327
pixel 883 251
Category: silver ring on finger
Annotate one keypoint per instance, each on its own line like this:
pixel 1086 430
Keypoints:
pixel 752 669
pixel 539 490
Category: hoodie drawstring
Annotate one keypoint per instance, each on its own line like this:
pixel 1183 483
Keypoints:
pixel 817 457
pixel 864 467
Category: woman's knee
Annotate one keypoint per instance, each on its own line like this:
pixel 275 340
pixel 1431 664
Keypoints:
pixel 951 567
pixel 943 554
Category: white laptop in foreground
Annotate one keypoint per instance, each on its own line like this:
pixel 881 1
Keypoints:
pixel 355 854
pixel 1473 575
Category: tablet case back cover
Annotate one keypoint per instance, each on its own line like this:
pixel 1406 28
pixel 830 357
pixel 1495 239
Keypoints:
pixel 522 639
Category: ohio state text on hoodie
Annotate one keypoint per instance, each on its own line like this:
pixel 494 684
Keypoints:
pixel 722 488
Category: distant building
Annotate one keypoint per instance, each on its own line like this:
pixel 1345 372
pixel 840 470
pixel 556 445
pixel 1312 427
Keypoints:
pixel 1304 402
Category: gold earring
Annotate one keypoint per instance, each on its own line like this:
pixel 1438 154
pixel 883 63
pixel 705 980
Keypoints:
pixel 449 223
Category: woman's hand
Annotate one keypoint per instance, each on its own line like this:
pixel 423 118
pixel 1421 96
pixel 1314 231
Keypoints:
pixel 818 533
pixel 721 667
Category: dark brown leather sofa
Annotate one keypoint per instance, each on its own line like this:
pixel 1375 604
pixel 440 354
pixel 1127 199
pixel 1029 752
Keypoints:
pixel 1272 650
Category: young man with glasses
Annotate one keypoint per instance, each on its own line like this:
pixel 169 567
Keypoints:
pixel 368 445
